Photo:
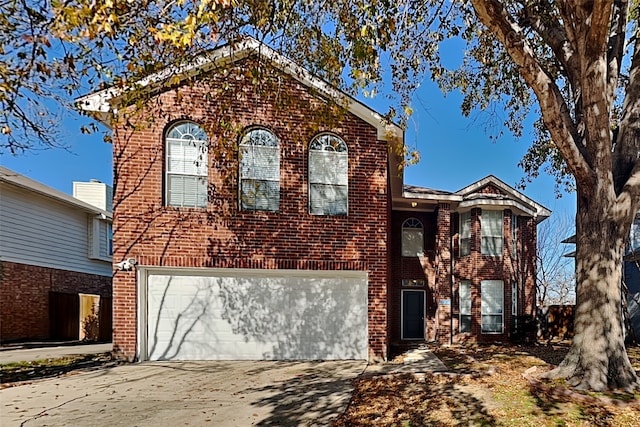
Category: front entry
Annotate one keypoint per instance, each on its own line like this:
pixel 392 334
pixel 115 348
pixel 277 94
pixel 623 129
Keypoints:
pixel 413 315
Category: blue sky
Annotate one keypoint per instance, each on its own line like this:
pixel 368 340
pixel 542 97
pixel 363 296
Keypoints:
pixel 455 152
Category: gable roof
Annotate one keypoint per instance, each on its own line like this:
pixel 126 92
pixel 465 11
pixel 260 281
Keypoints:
pixel 471 196
pixel 17 180
pixel 104 103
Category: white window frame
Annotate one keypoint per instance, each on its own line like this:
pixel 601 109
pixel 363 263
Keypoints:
pixel 412 237
pixel 492 306
pixel 328 175
pixel 464 301
pixel 465 233
pixel 186 162
pixel 259 164
pixel 492 230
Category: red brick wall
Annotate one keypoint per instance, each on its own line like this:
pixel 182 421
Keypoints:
pixel 223 236
pixel 24 297
pixel 477 267
pixel 412 268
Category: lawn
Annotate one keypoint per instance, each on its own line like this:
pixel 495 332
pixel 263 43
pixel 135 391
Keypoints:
pixel 486 387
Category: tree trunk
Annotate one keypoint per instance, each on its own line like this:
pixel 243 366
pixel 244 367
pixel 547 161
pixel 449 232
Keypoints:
pixel 598 359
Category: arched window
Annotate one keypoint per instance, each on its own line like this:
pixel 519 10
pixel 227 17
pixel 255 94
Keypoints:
pixel 186 165
pixel 412 237
pixel 259 171
pixel 328 175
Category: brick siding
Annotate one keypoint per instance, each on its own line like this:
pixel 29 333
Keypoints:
pixel 24 297
pixel 221 235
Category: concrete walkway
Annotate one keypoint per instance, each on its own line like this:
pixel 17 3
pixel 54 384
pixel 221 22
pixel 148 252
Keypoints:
pixel 416 361
pixel 28 352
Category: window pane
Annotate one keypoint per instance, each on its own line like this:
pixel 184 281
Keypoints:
pixel 465 323
pixel 412 242
pixel 492 233
pixel 327 167
pixel 186 164
pixel 260 171
pixel 328 176
pixel 492 304
pixel 260 195
pixel 328 199
pixel 260 163
pixel 465 233
pixel 465 297
pixel 492 246
pixel 187 191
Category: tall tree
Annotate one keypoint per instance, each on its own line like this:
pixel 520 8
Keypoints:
pixel 571 55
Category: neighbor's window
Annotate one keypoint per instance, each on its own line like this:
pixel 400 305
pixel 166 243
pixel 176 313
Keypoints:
pixel 328 175
pixel 109 239
pixel 465 233
pixel 492 304
pixel 464 294
pixel 491 231
pixel 412 237
pixel 259 171
pixel 186 166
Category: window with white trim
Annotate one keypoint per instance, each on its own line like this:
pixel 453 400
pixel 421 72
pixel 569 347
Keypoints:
pixel 464 295
pixel 492 305
pixel 328 175
pixel 259 171
pixel 412 237
pixel 100 242
pixel 491 230
pixel 465 233
pixel 186 166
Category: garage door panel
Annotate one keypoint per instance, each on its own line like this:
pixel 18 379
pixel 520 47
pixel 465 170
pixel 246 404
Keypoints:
pixel 236 317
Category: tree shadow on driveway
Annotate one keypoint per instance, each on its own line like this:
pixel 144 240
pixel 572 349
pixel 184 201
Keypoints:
pixel 316 395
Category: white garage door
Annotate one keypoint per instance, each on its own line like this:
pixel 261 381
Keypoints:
pixel 253 315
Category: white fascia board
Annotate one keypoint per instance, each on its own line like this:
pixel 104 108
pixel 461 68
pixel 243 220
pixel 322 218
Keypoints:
pixel 493 204
pixel 104 102
pixel 434 197
pixel 540 211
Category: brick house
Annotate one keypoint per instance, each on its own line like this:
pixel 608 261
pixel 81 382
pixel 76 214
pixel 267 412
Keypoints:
pixel 268 220
pixel 55 261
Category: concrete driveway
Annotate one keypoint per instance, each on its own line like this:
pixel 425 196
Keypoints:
pixel 187 393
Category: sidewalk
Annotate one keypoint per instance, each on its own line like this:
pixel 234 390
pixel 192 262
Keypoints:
pixel 28 352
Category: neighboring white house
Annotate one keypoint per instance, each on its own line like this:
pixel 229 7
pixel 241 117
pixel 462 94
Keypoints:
pixel 55 255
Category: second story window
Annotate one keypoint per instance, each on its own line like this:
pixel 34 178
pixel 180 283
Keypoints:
pixel 491 226
pixel 186 166
pixel 412 237
pixel 465 233
pixel 328 176
pixel 259 171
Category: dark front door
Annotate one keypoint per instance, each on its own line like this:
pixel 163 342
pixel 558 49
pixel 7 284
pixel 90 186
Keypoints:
pixel 412 315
